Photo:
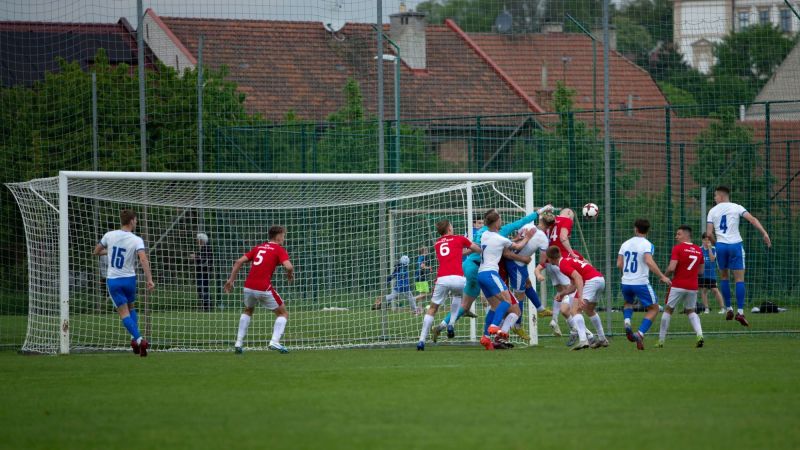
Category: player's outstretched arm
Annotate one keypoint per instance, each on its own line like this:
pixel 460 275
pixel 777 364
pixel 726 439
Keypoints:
pixel 236 267
pixel 651 264
pixel 289 270
pixel 513 256
pixel 148 274
pixel 473 248
pixel 752 219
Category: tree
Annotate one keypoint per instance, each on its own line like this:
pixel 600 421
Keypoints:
pixel 633 39
pixel 752 54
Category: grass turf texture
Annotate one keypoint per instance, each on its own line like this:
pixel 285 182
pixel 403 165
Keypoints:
pixel 737 392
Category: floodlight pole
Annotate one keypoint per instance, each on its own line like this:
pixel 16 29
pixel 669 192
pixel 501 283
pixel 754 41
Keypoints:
pixel 397 61
pixel 594 66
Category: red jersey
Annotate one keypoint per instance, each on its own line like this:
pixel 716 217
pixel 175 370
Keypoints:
pixel 690 258
pixel 568 265
pixel 265 258
pixel 554 232
pixel 449 250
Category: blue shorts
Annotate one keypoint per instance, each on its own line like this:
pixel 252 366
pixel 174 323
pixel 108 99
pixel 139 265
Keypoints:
pixel 517 276
pixel 644 292
pixel 472 288
pixel 730 256
pixel 491 284
pixel 122 290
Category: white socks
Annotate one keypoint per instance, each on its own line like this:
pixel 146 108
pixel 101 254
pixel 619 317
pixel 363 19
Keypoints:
pixel 510 320
pixel 580 324
pixel 694 320
pixel 598 325
pixel 244 322
pixel 277 330
pixel 662 332
pixel 455 305
pixel 556 310
pixel 426 325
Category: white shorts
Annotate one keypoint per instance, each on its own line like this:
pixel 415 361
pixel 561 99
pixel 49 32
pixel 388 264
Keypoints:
pixel 268 299
pixel 448 285
pixel 555 275
pixel 592 289
pixel 677 294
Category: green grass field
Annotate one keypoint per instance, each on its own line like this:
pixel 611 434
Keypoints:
pixel 737 392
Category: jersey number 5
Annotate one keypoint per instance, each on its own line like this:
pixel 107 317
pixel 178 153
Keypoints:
pixel 259 257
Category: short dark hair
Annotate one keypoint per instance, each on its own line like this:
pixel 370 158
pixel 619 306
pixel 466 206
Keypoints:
pixel 126 216
pixel 686 228
pixel 722 188
pixel 642 225
pixel 442 226
pixel 705 236
pixel 553 252
pixel 491 217
pixel 548 218
pixel 275 230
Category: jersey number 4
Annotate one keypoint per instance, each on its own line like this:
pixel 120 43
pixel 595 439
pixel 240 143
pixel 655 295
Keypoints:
pixel 723 224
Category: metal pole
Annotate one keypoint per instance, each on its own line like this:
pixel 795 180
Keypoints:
pixel 200 105
pixel 681 151
pixel 142 110
pixel 607 158
pixel 594 66
pixel 397 112
pixel 703 210
pixel 96 210
pixel 63 262
pixel 768 187
pixel 379 38
pixel 95 163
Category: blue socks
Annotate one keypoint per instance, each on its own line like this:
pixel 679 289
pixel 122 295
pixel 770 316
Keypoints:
pixel 521 313
pixel 645 324
pixel 725 288
pixel 487 322
pixel 500 313
pixel 533 297
pixel 460 314
pixel 739 295
pixel 627 313
pixel 131 326
pixel 135 317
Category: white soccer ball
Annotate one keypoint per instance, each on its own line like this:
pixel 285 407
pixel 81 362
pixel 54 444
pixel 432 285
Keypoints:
pixel 404 260
pixel 590 210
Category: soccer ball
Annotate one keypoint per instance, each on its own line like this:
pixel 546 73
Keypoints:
pixel 590 210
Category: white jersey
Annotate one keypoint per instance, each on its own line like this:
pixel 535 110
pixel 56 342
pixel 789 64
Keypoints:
pixel 538 241
pixel 725 217
pixel 492 245
pixel 122 247
pixel 634 270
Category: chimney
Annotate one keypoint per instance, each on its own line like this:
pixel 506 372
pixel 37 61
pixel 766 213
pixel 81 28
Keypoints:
pixel 408 31
pixel 544 76
pixel 552 27
pixel 612 36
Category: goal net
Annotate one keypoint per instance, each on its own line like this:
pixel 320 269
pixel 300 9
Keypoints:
pixel 344 235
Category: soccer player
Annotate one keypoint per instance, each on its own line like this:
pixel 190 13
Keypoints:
pixel 450 277
pixel 723 229
pixel 422 274
pixel 402 288
pixel 708 279
pixel 121 278
pixel 685 263
pixel 559 230
pixel 258 286
pixel 494 246
pixel 472 290
pixel 587 284
pixel 518 276
pixel 635 261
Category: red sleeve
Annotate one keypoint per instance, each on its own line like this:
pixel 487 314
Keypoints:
pixel 282 255
pixel 251 254
pixel 465 242
pixel 675 253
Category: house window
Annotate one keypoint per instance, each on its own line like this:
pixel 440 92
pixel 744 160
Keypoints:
pixel 763 16
pixel 786 21
pixel 744 19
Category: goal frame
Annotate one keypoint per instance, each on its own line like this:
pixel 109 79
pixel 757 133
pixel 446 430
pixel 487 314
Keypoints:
pixel 63 208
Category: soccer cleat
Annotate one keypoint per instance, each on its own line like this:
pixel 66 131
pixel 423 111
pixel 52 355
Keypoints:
pixel 598 343
pixel 420 346
pixel 278 347
pixel 238 350
pixel 660 344
pixel 435 332
pixel 519 331
pixel 740 318
pixel 721 311
pixel 581 345
pixel 451 332
pixel 135 347
pixel 493 329
pixel 486 342
pixel 470 314
pixel 729 314
pixel 143 346
pixel 700 342
pixel 556 328
pixel 629 333
pixel 545 313
pixel 706 311
pixel 639 339
pixel 573 338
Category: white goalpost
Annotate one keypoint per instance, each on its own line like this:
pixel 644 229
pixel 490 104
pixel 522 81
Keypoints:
pixel 335 225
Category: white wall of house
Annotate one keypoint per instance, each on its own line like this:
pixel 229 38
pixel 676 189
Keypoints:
pixel 165 46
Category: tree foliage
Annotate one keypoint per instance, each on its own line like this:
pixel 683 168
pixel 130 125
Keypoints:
pixel 752 54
